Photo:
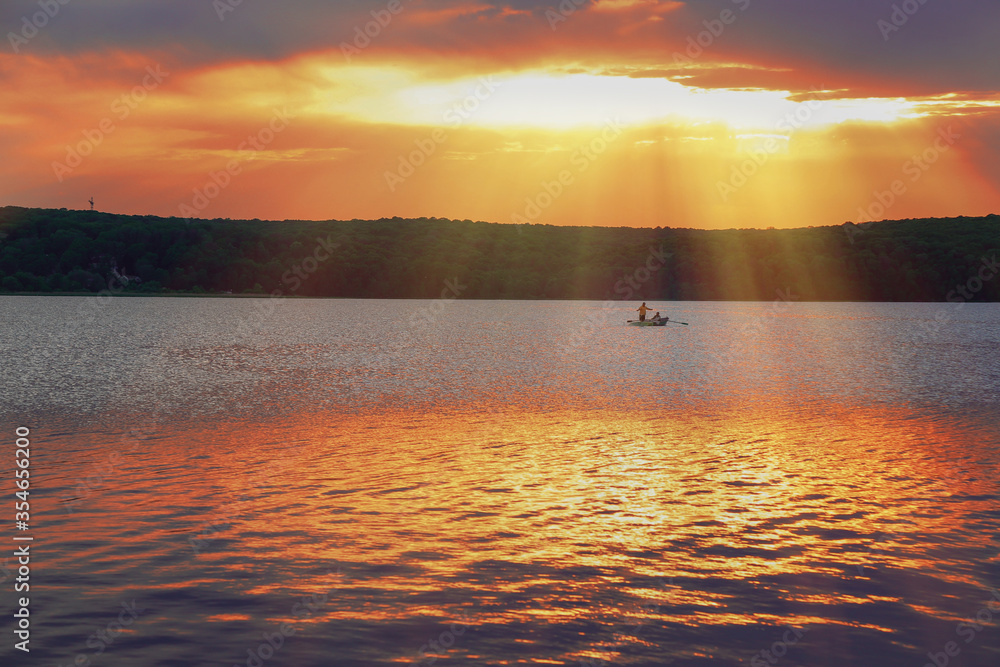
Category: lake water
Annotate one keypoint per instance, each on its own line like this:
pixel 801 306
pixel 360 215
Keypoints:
pixel 338 482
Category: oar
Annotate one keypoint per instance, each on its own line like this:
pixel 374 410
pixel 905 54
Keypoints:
pixel 668 321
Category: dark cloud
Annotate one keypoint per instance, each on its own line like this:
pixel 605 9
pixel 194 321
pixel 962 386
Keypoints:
pixel 944 45
pixel 204 30
pixel 733 77
pixel 941 46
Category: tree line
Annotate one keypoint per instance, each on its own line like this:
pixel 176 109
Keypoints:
pixel 64 251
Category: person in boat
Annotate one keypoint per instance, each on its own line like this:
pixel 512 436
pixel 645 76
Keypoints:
pixel 656 318
pixel 643 309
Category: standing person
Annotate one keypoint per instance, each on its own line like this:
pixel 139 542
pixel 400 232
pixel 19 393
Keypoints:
pixel 642 311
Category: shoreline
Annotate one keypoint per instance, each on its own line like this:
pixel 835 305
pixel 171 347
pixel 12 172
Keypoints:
pixel 188 295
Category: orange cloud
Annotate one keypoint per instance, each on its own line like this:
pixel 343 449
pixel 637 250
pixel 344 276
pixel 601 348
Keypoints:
pixel 652 6
pixel 352 127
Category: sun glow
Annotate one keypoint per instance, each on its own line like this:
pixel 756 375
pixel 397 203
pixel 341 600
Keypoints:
pixel 545 100
pixel 480 142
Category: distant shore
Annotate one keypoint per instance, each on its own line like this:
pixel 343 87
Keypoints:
pixel 624 302
pixel 70 253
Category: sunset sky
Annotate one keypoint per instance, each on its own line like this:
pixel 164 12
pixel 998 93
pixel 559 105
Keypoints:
pixel 642 113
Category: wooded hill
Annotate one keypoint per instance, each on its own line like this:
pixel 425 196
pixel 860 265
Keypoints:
pixel 87 251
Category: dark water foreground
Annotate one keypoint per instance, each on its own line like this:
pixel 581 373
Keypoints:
pixel 509 483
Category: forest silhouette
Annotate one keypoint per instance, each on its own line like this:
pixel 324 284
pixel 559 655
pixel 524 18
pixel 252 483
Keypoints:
pixel 71 251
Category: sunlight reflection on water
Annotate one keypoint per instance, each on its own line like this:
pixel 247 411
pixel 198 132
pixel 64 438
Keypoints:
pixel 650 495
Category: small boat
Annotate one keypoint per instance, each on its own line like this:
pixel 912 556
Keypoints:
pixel 648 323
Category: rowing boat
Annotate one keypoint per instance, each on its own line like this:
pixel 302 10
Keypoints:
pixel 648 323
